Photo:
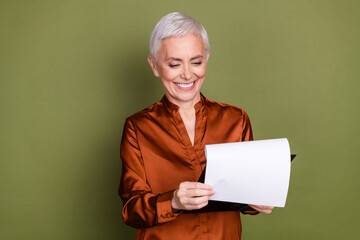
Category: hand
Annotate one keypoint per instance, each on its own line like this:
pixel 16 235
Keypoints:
pixel 191 195
pixel 262 209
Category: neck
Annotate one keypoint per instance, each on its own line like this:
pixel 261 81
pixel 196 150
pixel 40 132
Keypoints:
pixel 187 106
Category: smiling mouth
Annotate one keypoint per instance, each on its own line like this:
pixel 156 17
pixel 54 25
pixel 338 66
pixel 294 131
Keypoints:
pixel 185 85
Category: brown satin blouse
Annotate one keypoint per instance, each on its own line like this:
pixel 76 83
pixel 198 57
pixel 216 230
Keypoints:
pixel 157 155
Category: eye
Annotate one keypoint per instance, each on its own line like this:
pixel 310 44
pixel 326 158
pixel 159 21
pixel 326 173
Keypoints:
pixel 174 65
pixel 197 63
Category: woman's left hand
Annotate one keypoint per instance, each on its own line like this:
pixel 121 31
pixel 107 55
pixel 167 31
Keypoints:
pixel 262 209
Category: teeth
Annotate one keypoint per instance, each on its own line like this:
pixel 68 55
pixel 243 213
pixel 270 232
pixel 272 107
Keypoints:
pixel 185 85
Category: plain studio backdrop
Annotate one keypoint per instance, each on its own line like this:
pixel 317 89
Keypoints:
pixel 71 71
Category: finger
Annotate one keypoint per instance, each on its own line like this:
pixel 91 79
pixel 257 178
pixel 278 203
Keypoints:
pixel 262 209
pixel 266 211
pixel 266 208
pixel 195 200
pixel 194 192
pixel 195 207
pixel 259 206
pixel 195 185
pixel 199 192
pixel 257 209
pixel 195 203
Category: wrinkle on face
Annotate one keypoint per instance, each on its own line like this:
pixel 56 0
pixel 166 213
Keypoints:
pixel 181 61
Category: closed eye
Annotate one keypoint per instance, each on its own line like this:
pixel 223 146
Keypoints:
pixel 174 65
pixel 196 63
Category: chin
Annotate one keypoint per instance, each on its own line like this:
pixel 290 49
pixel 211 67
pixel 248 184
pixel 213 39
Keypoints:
pixel 187 97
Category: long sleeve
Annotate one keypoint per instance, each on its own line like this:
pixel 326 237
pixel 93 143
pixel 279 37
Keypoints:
pixel 247 134
pixel 157 155
pixel 141 207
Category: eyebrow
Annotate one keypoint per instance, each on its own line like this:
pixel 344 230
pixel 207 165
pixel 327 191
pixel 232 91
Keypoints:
pixel 179 59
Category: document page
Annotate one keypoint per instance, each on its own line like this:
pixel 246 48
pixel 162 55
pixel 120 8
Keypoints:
pixel 254 172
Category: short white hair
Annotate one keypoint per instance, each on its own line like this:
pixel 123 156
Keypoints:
pixel 176 24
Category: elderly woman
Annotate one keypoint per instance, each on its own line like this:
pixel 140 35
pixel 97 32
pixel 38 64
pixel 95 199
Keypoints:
pixel 162 148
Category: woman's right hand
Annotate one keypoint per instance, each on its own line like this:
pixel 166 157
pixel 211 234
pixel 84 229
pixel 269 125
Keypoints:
pixel 191 196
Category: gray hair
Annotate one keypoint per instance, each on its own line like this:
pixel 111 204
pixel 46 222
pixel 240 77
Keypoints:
pixel 176 24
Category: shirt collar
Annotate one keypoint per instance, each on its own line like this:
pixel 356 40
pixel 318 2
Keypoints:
pixel 171 107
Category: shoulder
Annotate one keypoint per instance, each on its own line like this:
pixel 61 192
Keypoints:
pixel 233 121
pixel 225 109
pixel 146 115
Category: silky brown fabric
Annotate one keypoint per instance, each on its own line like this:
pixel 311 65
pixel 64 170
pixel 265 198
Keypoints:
pixel 157 155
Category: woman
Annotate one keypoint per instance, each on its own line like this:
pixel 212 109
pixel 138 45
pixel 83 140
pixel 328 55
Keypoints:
pixel 162 148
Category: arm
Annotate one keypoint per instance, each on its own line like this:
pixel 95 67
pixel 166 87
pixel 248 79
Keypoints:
pixel 141 207
pixel 247 134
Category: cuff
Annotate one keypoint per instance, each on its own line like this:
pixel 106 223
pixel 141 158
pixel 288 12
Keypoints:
pixel 163 208
pixel 250 212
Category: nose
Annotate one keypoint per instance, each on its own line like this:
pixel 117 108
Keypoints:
pixel 187 73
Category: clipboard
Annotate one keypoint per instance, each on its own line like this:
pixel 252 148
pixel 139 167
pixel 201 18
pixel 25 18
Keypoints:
pixel 220 206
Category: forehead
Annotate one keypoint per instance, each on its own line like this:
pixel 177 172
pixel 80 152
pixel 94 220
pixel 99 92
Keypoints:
pixel 185 45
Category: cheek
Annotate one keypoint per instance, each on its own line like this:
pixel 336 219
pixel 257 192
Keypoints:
pixel 169 75
pixel 200 72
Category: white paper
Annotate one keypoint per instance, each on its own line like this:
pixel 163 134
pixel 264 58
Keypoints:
pixel 254 172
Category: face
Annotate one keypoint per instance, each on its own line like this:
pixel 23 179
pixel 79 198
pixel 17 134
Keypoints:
pixel 181 66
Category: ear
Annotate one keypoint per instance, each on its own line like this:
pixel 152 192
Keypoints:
pixel 207 57
pixel 153 65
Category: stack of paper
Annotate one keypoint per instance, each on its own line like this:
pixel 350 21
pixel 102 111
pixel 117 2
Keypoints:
pixel 255 172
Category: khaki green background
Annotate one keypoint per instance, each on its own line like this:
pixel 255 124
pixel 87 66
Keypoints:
pixel 71 71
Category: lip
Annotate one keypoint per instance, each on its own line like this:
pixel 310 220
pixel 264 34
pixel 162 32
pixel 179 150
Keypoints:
pixel 184 87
